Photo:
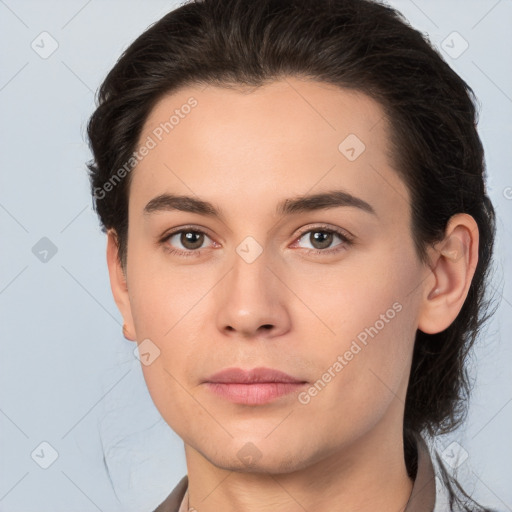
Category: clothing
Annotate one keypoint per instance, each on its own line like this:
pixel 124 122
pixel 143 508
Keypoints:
pixel 429 493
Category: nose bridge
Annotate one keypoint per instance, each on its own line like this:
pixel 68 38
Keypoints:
pixel 252 295
pixel 251 280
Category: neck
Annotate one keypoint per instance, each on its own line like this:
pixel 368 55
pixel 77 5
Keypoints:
pixel 368 475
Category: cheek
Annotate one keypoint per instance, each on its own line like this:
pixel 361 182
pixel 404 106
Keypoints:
pixel 369 290
pixel 161 297
pixel 167 310
pixel 372 318
pixel 360 381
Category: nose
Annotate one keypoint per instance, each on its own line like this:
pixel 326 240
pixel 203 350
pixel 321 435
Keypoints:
pixel 252 300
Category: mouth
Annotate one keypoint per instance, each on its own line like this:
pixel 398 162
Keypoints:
pixel 252 387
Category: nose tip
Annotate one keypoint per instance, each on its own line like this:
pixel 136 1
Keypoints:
pixel 251 301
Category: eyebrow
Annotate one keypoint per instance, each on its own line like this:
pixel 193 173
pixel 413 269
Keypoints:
pixel 307 203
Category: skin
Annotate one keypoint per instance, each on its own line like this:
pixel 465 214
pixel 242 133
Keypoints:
pixel 245 150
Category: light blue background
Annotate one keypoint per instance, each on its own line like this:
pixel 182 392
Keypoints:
pixel 67 375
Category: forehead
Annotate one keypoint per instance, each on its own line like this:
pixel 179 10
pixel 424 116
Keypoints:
pixel 281 139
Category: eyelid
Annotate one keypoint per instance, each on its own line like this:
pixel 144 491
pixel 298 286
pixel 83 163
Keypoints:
pixel 188 227
pixel 325 227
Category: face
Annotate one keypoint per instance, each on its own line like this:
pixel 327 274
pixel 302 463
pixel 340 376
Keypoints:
pixel 324 289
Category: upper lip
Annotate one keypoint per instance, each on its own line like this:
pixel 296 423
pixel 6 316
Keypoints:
pixel 254 375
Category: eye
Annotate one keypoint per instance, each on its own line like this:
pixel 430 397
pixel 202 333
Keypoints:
pixel 321 239
pixel 190 239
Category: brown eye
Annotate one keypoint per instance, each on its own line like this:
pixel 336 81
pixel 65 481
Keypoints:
pixel 185 242
pixel 191 239
pixel 321 239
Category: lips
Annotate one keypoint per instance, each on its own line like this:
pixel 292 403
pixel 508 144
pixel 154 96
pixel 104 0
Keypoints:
pixel 252 387
pixel 253 376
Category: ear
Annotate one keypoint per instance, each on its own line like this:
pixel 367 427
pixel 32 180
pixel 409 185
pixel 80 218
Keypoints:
pixel 119 285
pixel 452 267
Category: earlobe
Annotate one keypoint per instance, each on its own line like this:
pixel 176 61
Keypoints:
pixel 118 285
pixel 453 264
pixel 127 334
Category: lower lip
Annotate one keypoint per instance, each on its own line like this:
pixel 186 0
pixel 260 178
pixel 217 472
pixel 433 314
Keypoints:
pixel 253 394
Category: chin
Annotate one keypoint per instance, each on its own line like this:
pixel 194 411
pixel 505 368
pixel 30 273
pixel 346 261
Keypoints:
pixel 248 458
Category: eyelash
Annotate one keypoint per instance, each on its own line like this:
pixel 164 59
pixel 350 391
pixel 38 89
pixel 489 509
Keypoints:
pixel 347 240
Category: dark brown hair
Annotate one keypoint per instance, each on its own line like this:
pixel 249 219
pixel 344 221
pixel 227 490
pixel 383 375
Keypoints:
pixel 361 45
